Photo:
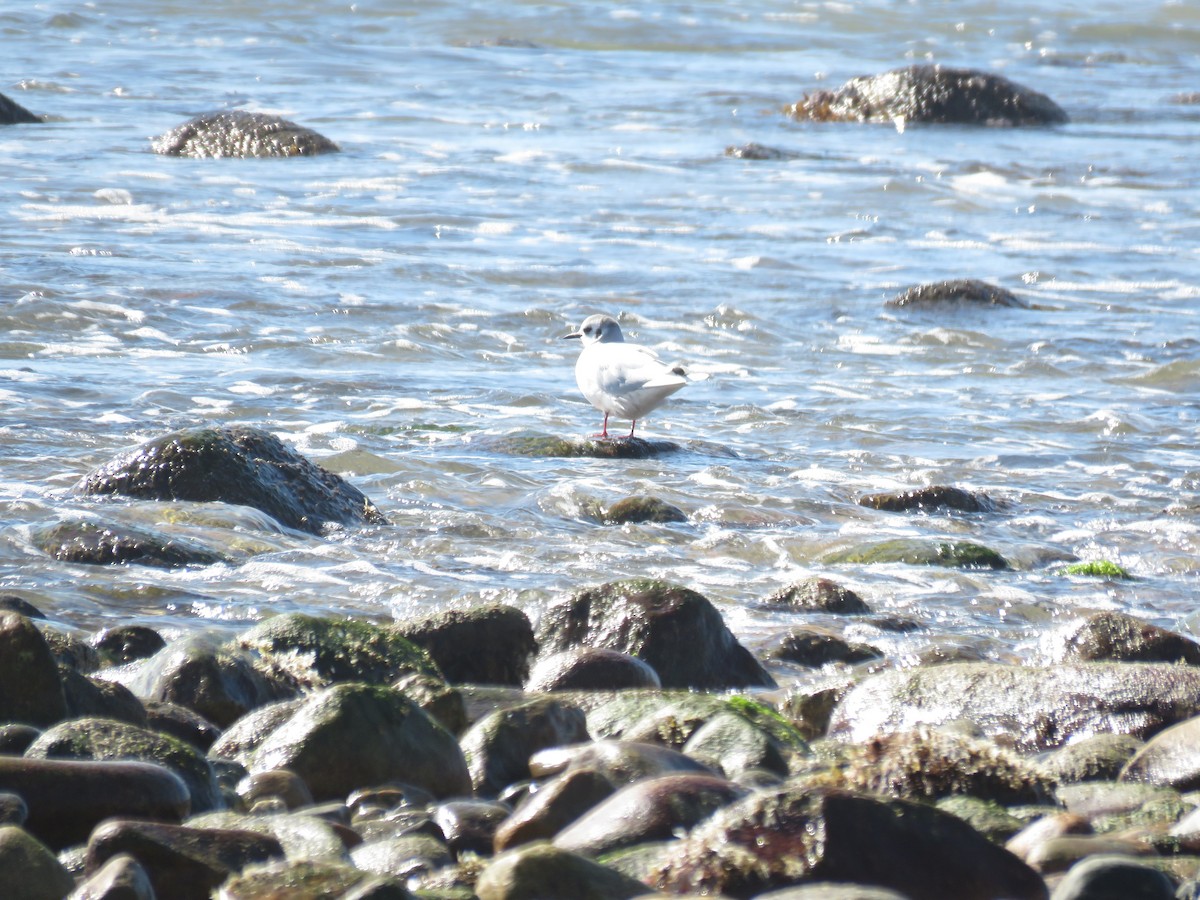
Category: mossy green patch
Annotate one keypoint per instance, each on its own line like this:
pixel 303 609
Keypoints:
pixel 1100 568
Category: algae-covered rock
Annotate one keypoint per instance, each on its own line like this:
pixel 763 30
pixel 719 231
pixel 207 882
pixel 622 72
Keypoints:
pixel 677 631
pixel 317 651
pixel 1033 707
pixel 305 879
pixel 929 498
pixel 1100 568
pixel 28 869
pixel 486 644
pixel 962 292
pixel 97 543
pixel 109 740
pixel 933 94
pixel 1096 757
pixel 13 113
pixel 543 445
pixel 235 464
pixel 791 836
pixel 927 764
pixel 540 870
pixel 916 552
pixel 238 133
pixel 635 510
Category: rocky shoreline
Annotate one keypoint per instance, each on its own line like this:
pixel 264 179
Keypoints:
pixel 627 745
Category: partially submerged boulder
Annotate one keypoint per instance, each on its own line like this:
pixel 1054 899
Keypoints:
pixel 931 93
pixel 239 133
pixel 13 113
pixel 235 464
pixel 109 543
pixel 956 292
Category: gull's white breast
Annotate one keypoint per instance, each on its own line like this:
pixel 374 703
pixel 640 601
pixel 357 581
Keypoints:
pixel 625 380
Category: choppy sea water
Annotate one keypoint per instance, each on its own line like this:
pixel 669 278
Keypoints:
pixel 508 169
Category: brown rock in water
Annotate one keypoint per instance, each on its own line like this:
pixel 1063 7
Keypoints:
pixel 790 836
pixel 68 798
pixel 819 595
pixel 929 498
pixel 677 631
pixel 931 94
pixel 238 133
pixel 957 291
pixel 1116 636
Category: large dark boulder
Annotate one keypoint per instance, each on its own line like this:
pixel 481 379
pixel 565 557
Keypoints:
pixel 13 113
pixel 931 93
pixel 677 631
pixel 31 690
pixel 239 133
pixel 1033 708
pixel 235 464
pixel 110 543
pixel 790 836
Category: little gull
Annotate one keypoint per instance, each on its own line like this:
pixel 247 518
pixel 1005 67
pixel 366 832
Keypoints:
pixel 620 379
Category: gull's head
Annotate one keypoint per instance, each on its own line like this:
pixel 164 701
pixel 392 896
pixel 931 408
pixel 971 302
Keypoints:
pixel 598 330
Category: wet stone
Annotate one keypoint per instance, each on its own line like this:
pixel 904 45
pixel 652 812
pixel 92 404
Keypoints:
pixel 540 870
pixel 499 746
pixel 619 762
pixel 28 869
pixel 121 878
pixel 591 668
pixel 676 631
pixel 1097 757
pixel 95 697
pixel 13 113
pixel 470 825
pixel 929 498
pixel 238 133
pixel 281 783
pixel 759 152
pixel 125 643
pixel 813 648
pixel 16 738
pixel 554 805
pixel 67 798
pixel 31 690
pixel 1113 878
pixel 488 644
pixel 541 445
pixel 931 94
pixel 1170 758
pixel 962 292
pixel 239 465
pixel 1115 636
pixel 918 552
pixel 110 740
pixel 636 510
pixel 404 856
pixel 182 863
pixel 818 595
pixel 110 543
pixel 180 722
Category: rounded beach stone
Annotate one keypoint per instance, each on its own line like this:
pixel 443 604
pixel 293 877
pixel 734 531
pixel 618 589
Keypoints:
pixel 121 878
pixel 929 498
pixel 470 825
pixel 818 594
pixel 540 870
pixel 31 690
pixel 1171 758
pixel 355 735
pixel 28 870
pixel 499 745
pixel 621 762
pixel 281 783
pixel 676 631
pixel 1116 636
pixel 68 798
pixel 591 668
pixel 1113 878
pixel 125 643
pixel 554 805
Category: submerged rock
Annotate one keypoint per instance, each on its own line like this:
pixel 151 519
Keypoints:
pixel 104 544
pixel 819 595
pixel 634 510
pixel 488 644
pixel 238 133
pixel 677 631
pixel 916 552
pixel 931 94
pixel 929 498
pixel 791 836
pixel 759 152
pixel 814 648
pixel 240 465
pixel 1033 708
pixel 956 291
pixel 13 113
